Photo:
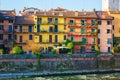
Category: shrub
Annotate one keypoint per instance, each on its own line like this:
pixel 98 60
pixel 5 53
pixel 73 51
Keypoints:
pixel 1 51
pixel 53 51
pixel 17 50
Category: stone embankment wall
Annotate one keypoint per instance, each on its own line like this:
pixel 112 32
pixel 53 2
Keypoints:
pixel 61 62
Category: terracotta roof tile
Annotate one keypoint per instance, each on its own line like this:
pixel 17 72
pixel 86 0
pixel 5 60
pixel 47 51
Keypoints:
pixel 24 20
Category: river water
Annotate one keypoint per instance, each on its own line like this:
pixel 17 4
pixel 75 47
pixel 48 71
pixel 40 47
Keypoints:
pixel 115 76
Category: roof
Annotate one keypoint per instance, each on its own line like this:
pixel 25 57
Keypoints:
pixel 8 12
pixel 115 12
pixel 59 12
pixel 103 15
pixel 24 20
pixel 6 17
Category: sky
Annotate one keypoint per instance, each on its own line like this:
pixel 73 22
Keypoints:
pixel 78 5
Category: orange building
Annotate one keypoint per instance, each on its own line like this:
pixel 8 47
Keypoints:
pixel 82 30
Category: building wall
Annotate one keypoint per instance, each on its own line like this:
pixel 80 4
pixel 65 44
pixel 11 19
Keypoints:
pixel 44 32
pixel 26 43
pixel 6 42
pixel 116 23
pixel 110 4
pixel 77 34
pixel 103 36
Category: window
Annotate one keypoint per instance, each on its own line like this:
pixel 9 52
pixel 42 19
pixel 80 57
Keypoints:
pixel 72 29
pixel 40 38
pixel 50 38
pixel 93 22
pixel 10 28
pixel 20 39
pixel 108 30
pixel 108 41
pixel 71 22
pixel 56 21
pixel 99 22
pixel 56 38
pixel 30 37
pixel 10 21
pixel 98 30
pixel 50 29
pixel 83 30
pixel 113 27
pixel 15 27
pixel 93 29
pixel 21 28
pixel 83 22
pixel 65 37
pixel 1 36
pixel 39 20
pixel 98 40
pixel 49 20
pixel 72 38
pixel 108 22
pixel 56 28
pixel 15 37
pixel 83 39
pixel 9 36
pixel 1 27
pixel 29 28
pixel 109 50
pixel 38 28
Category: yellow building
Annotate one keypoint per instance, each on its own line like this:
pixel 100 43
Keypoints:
pixel 116 22
pixel 49 30
pixel 23 32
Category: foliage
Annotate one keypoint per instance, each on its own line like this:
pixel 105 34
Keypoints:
pixel 79 42
pixel 69 51
pixel 17 50
pixel 115 41
pixel 70 45
pixel 53 51
pixel 115 50
pixel 67 41
pixel 97 50
pixel 1 51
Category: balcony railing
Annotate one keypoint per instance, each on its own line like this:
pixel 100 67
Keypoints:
pixel 16 42
pixel 8 31
pixel 7 41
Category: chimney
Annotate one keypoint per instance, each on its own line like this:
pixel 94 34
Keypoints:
pixel 94 9
pixel 76 13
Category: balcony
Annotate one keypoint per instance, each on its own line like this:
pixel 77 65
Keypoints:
pixel 8 31
pixel 8 41
pixel 16 42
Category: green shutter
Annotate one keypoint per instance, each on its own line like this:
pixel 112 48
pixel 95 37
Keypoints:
pixel 72 29
pixel 83 30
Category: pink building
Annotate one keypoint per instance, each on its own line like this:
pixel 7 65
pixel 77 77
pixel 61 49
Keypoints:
pixel 105 31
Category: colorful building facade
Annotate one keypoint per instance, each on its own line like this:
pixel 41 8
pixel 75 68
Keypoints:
pixel 50 30
pixel 24 32
pixel 82 31
pixel 105 31
pixel 6 29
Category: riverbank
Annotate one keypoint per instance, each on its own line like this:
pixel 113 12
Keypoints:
pixel 56 73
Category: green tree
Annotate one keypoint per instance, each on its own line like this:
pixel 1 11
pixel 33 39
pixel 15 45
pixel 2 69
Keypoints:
pixel 1 51
pixel 36 50
pixel 17 50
